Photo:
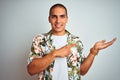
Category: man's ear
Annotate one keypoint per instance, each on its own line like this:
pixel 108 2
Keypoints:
pixel 67 19
pixel 49 19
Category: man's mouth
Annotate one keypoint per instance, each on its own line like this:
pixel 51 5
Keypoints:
pixel 58 25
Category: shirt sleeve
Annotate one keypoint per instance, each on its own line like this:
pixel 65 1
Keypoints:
pixel 80 55
pixel 80 51
pixel 36 48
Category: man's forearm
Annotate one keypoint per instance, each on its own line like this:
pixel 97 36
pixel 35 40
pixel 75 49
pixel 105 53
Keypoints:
pixel 85 66
pixel 40 64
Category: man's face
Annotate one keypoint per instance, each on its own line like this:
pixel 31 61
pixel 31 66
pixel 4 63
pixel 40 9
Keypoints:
pixel 58 19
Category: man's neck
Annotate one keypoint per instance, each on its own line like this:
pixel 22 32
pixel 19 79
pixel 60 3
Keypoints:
pixel 59 33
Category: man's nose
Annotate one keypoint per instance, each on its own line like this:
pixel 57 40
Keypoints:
pixel 58 20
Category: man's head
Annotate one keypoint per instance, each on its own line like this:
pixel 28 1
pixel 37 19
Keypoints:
pixel 57 5
pixel 58 19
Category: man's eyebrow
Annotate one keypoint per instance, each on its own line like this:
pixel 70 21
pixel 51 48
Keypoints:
pixel 63 15
pixel 53 15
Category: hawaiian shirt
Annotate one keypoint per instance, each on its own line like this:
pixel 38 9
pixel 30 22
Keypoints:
pixel 42 45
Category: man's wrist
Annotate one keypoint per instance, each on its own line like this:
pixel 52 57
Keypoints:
pixel 94 51
pixel 54 53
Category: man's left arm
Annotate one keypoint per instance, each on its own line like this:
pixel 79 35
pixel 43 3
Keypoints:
pixel 86 64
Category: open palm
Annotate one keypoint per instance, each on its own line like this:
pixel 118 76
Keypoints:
pixel 103 44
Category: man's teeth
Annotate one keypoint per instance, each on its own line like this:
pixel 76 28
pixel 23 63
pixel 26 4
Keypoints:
pixel 58 25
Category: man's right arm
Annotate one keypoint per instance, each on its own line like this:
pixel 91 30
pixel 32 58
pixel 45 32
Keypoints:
pixel 38 65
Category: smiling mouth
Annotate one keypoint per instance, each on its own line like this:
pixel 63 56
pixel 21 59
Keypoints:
pixel 58 25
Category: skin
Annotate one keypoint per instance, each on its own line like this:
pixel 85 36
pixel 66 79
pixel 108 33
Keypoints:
pixel 58 19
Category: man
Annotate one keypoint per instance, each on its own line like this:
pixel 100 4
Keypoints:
pixel 57 55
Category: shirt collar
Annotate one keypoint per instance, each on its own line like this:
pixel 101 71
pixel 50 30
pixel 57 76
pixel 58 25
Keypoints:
pixel 50 40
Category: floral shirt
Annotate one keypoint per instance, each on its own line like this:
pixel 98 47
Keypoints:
pixel 42 45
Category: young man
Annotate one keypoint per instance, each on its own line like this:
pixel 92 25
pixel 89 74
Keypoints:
pixel 57 55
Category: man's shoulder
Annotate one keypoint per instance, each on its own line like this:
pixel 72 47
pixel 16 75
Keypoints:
pixel 73 36
pixel 40 36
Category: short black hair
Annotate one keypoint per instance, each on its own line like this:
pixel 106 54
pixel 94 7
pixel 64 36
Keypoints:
pixel 58 5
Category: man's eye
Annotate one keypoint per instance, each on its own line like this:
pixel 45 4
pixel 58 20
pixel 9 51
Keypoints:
pixel 62 16
pixel 53 16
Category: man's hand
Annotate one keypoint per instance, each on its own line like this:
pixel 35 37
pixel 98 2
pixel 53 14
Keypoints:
pixel 64 51
pixel 101 45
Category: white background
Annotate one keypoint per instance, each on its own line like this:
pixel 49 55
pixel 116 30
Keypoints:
pixel 91 20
